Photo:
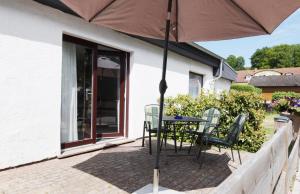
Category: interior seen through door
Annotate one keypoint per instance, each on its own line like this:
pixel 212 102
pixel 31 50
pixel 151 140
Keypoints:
pixel 108 94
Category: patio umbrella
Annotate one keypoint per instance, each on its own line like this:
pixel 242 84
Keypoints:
pixel 185 21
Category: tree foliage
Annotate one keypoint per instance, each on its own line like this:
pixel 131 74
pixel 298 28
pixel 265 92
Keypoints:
pixel 276 57
pixel 284 95
pixel 237 63
pixel 245 88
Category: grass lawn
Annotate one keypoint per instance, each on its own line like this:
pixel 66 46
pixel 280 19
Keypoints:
pixel 268 124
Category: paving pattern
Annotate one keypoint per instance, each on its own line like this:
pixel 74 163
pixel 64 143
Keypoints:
pixel 119 170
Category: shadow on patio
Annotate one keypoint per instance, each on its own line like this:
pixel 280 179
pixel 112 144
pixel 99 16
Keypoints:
pixel 130 167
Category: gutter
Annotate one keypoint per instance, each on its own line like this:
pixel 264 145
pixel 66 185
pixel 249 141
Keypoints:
pixel 212 81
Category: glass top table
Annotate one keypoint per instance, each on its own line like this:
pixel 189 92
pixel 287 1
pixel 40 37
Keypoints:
pixel 171 122
pixel 183 119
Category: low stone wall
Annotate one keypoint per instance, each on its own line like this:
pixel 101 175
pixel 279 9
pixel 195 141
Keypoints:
pixel 270 170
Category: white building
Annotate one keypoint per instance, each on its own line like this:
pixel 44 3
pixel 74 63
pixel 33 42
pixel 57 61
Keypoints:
pixel 65 82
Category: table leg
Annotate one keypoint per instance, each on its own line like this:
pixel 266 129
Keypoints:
pixel 192 142
pixel 181 139
pixel 175 142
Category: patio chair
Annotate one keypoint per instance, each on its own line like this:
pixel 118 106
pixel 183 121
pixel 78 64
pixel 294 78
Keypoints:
pixel 212 116
pixel 230 140
pixel 151 124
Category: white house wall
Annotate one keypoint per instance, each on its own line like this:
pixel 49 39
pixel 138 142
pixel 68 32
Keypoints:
pixel 222 85
pixel 30 77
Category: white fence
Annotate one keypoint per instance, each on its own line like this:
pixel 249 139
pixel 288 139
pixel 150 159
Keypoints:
pixel 269 171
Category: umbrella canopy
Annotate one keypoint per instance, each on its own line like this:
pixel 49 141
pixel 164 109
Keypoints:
pixel 191 20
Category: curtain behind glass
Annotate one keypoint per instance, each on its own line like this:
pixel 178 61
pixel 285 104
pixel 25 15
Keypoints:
pixel 195 84
pixel 69 131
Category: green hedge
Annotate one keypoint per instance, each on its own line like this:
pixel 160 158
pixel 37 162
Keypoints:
pixel 245 88
pixel 283 95
pixel 230 105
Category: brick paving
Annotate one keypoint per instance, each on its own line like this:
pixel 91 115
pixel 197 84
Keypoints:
pixel 119 170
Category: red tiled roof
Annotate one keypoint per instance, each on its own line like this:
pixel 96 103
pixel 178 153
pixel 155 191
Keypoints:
pixel 241 75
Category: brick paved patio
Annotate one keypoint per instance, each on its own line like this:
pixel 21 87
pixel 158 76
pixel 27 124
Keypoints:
pixel 121 169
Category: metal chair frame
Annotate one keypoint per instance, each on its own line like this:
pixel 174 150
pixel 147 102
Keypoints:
pixel 209 115
pixel 151 128
pixel 231 139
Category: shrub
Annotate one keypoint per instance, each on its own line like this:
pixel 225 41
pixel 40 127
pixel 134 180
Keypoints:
pixel 245 88
pixel 282 105
pixel 230 104
pixel 235 103
pixel 284 95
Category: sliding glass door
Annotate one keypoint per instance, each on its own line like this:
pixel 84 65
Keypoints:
pixel 110 94
pixel 93 89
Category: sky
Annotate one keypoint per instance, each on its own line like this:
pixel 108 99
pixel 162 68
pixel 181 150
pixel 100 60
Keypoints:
pixel 287 33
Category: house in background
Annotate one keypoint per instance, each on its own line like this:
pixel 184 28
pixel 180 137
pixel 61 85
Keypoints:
pixel 244 76
pixel 67 83
pixel 271 80
pixel 274 83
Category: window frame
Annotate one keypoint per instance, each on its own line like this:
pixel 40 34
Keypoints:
pixel 201 81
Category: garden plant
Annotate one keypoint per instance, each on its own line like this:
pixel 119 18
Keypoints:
pixel 230 104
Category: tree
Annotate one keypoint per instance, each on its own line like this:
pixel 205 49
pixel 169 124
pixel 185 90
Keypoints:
pixel 260 59
pixel 237 63
pixel 276 57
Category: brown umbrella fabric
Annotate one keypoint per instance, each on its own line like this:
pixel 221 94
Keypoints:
pixel 192 20
pixel 184 21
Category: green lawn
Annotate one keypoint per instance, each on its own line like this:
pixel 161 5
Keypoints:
pixel 268 124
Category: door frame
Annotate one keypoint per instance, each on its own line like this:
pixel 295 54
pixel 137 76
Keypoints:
pixel 122 107
pixel 125 112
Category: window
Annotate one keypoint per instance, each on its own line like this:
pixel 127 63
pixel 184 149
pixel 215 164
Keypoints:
pixel 195 84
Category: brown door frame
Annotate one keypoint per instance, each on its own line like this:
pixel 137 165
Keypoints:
pixel 121 119
pixel 124 78
pixel 92 46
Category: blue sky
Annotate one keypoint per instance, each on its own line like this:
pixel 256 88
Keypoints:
pixel 287 33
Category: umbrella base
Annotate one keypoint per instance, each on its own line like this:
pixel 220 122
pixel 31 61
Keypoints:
pixel 148 189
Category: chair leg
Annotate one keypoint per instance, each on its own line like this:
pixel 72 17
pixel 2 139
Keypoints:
pixel 166 136
pixel 181 140
pixel 218 134
pixel 232 153
pixel 200 151
pixel 203 157
pixel 150 143
pixel 239 154
pixel 143 142
pixel 192 142
pixel 175 142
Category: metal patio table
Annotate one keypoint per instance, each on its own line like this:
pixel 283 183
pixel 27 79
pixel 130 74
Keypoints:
pixel 173 122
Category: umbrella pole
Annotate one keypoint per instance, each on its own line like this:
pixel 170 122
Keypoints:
pixel 162 89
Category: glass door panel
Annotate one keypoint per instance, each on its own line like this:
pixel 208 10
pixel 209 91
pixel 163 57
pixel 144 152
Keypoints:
pixel 76 114
pixel 108 95
pixel 84 92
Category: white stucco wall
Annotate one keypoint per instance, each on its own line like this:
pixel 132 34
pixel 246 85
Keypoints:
pixel 222 85
pixel 30 77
